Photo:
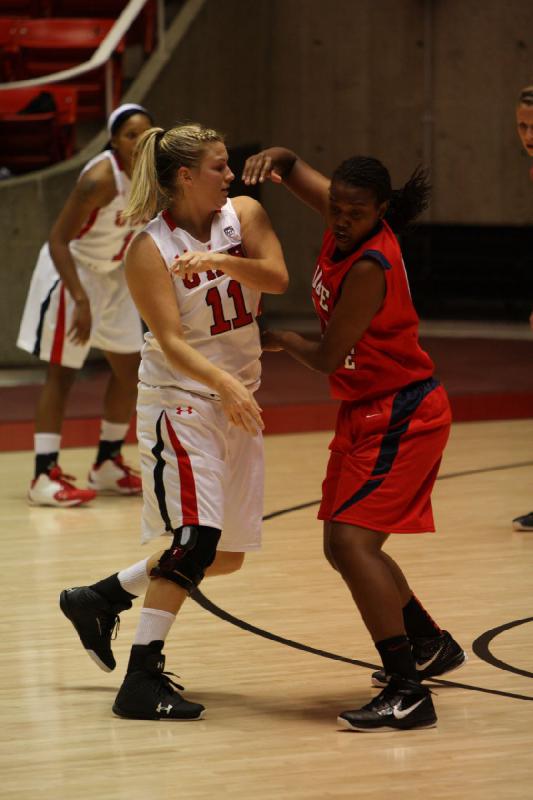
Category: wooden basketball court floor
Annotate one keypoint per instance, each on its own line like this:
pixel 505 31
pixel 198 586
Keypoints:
pixel 276 650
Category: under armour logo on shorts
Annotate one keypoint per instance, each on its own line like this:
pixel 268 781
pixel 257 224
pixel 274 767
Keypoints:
pixel 183 410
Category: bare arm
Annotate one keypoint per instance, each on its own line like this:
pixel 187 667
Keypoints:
pixel 264 266
pixel 362 296
pixel 95 189
pixel 284 166
pixel 152 291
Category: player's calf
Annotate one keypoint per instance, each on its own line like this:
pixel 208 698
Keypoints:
pixel 147 691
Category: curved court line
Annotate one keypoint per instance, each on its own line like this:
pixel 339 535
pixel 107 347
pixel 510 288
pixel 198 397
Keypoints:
pixel 208 605
pixel 481 647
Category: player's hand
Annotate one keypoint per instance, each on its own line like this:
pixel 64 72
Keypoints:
pixel 258 168
pixel 80 327
pixel 270 341
pixel 240 406
pixel 193 262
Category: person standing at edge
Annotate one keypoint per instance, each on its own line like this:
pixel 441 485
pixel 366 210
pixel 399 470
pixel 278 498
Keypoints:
pixel 393 421
pixel 524 124
pixel 78 299
pixel 196 274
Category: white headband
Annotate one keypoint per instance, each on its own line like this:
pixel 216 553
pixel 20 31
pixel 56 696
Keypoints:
pixel 120 110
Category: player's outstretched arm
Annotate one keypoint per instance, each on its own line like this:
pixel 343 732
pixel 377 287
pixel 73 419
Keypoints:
pixel 281 165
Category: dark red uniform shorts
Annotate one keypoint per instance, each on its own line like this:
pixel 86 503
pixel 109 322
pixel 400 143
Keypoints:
pixel 384 460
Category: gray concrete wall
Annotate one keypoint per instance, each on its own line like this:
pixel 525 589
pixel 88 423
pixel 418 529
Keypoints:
pixel 330 79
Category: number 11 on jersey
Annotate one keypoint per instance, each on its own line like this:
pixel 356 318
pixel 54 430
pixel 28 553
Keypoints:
pixel 241 316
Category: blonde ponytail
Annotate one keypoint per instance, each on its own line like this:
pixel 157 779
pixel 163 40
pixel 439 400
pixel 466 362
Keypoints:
pixel 158 156
pixel 144 198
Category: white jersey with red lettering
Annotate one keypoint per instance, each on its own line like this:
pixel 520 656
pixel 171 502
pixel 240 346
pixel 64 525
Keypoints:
pixel 103 239
pixel 218 314
pixel 98 253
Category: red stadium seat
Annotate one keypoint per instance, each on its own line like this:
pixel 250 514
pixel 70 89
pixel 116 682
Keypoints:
pixel 45 46
pixel 8 49
pixel 143 29
pixel 22 8
pixel 35 140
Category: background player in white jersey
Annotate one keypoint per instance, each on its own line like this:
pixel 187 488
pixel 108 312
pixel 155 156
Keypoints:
pixel 196 275
pixel 78 298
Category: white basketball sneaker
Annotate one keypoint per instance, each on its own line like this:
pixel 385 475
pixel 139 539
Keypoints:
pixel 54 488
pixel 113 476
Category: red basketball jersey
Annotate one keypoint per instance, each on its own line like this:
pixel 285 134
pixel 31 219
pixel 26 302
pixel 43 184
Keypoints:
pixel 388 356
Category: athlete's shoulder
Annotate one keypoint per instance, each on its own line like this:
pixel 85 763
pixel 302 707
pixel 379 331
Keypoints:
pixel 143 247
pixel 97 179
pixel 244 204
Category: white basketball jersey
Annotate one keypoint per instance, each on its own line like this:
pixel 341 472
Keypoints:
pixel 102 242
pixel 218 314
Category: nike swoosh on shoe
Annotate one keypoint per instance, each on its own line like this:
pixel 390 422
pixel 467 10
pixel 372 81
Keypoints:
pixel 401 714
pixel 428 663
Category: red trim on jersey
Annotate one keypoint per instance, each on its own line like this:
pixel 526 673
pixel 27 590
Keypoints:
pixel 168 219
pixel 189 505
pixel 59 333
pixel 88 225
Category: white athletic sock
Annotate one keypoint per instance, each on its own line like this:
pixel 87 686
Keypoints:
pixel 153 626
pixel 113 431
pixel 135 579
pixel 46 443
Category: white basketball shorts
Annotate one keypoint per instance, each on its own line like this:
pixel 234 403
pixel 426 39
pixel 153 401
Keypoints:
pixel 116 325
pixel 198 468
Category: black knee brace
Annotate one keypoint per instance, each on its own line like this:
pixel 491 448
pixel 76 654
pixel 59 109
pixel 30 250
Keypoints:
pixel 193 550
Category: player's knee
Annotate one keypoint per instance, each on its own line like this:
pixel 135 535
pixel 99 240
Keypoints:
pixel 225 563
pixel 193 550
pixel 340 547
pixel 329 555
pixel 62 377
pixel 125 368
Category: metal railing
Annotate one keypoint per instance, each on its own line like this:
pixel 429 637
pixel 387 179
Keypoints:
pixel 103 54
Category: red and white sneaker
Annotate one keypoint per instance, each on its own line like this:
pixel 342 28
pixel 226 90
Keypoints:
pixel 55 489
pixel 115 477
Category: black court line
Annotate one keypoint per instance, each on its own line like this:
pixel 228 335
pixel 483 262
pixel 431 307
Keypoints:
pixel 449 475
pixel 480 646
pixel 208 605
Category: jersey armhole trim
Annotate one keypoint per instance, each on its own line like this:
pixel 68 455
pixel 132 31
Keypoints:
pixel 152 235
pixel 377 255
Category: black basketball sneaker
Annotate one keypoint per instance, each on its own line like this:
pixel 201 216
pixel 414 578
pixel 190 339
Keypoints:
pixel 435 655
pixel 95 620
pixel 149 693
pixel 402 705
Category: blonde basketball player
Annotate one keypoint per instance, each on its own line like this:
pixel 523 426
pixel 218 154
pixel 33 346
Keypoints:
pixel 196 274
pixel 78 299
